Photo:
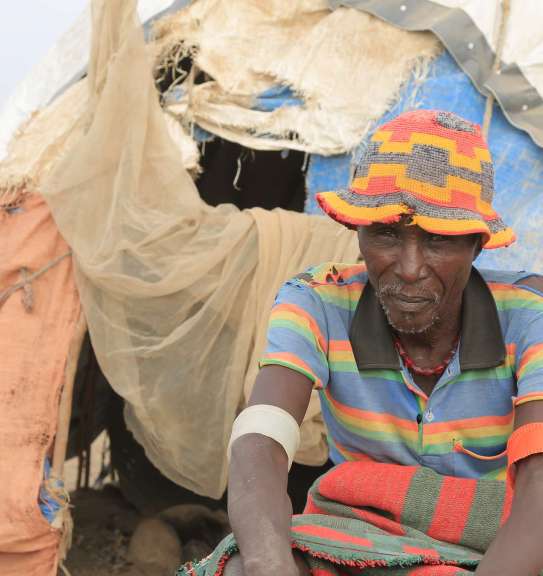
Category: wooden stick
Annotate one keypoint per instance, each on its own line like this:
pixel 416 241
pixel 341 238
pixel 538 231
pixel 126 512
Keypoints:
pixel 65 408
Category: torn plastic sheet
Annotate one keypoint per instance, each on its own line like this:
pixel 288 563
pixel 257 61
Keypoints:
pixel 272 99
pixel 290 75
pixel 276 97
pixel 53 496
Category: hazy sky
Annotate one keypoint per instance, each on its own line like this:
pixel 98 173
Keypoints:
pixel 28 28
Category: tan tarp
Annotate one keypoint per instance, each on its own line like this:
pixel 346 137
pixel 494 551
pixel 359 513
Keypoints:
pixel 523 33
pixel 40 142
pixel 347 66
pixel 37 323
pixel 43 140
pixel 176 293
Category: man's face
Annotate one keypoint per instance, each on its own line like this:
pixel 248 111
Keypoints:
pixel 419 277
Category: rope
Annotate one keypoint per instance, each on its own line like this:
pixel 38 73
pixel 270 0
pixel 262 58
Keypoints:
pixel 25 283
pixel 499 41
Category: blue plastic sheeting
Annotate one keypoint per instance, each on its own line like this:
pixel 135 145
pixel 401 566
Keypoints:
pixel 267 101
pixel 49 504
pixel 276 97
pixel 201 135
pixel 518 163
pixel 176 94
pixel 325 173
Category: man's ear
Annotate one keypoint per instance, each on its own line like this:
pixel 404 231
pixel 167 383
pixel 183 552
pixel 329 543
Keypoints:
pixel 359 236
pixel 478 247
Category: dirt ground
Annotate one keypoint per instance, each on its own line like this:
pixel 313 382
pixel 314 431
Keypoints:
pixel 103 526
pixel 103 523
pixel 111 538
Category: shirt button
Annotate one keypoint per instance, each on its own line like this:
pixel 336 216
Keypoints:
pixel 429 416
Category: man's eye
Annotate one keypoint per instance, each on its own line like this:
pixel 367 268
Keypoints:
pixel 387 232
pixel 438 238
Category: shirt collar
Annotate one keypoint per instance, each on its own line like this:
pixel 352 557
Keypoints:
pixel 481 339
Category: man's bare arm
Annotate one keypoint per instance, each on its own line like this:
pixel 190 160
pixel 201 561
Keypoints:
pixel 517 549
pixel 258 504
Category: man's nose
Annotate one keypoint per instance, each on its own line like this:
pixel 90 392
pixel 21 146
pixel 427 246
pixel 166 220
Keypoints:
pixel 411 263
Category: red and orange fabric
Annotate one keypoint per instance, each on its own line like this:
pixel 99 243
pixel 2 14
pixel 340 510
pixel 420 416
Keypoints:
pixel 37 324
pixel 389 519
pixel 523 442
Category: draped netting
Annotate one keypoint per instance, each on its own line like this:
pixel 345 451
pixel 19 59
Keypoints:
pixel 176 293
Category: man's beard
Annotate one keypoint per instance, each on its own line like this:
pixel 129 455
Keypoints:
pixel 395 289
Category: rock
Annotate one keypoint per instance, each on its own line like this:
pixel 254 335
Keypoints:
pixel 197 522
pixel 196 550
pixel 155 548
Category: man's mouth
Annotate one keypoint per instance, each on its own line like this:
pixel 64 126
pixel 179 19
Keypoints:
pixel 412 299
pixel 407 303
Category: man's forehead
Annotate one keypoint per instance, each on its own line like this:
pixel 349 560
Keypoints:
pixel 406 226
pixel 404 223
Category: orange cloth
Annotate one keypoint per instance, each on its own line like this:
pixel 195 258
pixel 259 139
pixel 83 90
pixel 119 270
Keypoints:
pixel 34 347
pixel 523 442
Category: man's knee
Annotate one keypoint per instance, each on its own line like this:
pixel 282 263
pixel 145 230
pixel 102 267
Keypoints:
pixel 233 567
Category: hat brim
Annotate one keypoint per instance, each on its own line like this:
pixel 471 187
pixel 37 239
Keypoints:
pixel 339 206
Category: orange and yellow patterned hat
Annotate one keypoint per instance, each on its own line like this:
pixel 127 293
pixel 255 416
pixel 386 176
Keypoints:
pixel 432 165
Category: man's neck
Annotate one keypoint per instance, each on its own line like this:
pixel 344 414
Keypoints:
pixel 438 339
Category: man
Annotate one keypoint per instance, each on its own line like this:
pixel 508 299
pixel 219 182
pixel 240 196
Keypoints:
pixel 419 359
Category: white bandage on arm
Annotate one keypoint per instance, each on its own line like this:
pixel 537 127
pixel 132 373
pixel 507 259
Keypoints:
pixel 270 421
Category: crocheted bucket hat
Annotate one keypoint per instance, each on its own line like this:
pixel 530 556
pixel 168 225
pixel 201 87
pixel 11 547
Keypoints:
pixel 432 165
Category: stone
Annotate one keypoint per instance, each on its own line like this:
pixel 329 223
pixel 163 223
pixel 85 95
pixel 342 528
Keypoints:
pixel 196 550
pixel 155 548
pixel 197 522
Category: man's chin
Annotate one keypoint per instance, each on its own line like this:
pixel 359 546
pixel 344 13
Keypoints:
pixel 411 323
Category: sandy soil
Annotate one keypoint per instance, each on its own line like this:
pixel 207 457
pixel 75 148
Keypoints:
pixel 103 525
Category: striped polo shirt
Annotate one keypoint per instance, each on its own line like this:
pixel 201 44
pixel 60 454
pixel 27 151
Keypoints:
pixel 327 323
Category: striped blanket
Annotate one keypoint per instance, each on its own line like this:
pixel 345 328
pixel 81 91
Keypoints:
pixel 390 519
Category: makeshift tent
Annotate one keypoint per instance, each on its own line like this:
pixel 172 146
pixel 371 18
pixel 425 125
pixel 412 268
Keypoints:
pixel 176 292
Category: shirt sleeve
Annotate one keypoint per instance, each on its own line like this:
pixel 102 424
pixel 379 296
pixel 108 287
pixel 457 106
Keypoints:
pixel 297 333
pixel 529 353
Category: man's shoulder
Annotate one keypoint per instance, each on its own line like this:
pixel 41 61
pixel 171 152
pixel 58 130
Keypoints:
pixel 335 284
pixel 333 274
pixel 507 276
pixel 513 290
